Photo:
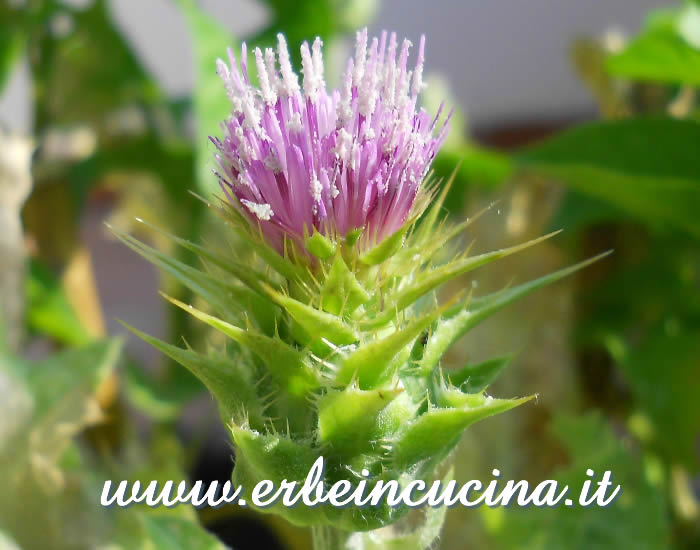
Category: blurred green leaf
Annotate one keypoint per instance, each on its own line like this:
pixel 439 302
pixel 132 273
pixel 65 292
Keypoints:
pixel 578 211
pixel 211 104
pixel 86 72
pixel 170 161
pixel 58 485
pixel 51 402
pixel 474 166
pixel 176 533
pixel 65 379
pixel 48 311
pixel 658 283
pixel 478 165
pixel 17 22
pixel 636 519
pixel 16 402
pixel 306 19
pixel 663 375
pixel 162 402
pixel 659 53
pixel 648 167
pixel 12 44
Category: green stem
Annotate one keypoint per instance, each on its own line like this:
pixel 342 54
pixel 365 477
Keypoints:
pixel 326 537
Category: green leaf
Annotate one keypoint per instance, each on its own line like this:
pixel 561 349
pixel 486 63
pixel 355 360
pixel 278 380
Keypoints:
pixel 353 236
pixel 476 377
pixel 647 167
pixel 256 241
pixel 48 311
pixel 438 430
pixel 280 358
pixel 430 280
pixel 229 299
pixel 317 324
pixel 228 382
pixel 211 104
pixel 387 248
pixel 374 361
pixel 341 292
pixel 245 273
pixel 275 457
pixel 459 320
pixel 347 419
pixel 661 53
pixel 319 245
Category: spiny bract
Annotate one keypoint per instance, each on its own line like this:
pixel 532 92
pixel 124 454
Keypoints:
pixel 335 329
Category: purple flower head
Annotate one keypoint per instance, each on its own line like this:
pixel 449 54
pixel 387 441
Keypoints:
pixel 298 158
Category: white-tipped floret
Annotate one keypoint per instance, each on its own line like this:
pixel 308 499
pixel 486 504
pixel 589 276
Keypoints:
pixel 251 113
pixel 290 81
pixel 271 65
pixel 402 79
pixel 311 80
pixel 294 123
pixel 360 57
pixel 344 108
pixel 317 55
pixel 382 48
pixel 239 93
pixel 236 79
pixel 418 84
pixel 343 145
pixel 268 93
pixel 225 74
pixel 244 63
pixel 368 92
pixel 389 87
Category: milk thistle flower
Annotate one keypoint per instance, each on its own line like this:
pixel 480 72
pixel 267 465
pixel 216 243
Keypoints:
pixel 297 158
pixel 336 331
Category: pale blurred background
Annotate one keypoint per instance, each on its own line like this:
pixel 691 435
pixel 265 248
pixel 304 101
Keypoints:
pixel 525 78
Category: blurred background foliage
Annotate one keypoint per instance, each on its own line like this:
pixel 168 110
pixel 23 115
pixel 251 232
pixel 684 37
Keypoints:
pixel 614 353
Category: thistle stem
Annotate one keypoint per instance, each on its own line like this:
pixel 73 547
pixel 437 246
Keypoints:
pixel 327 537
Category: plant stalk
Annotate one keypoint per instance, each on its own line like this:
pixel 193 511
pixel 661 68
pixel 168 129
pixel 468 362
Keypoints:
pixel 327 537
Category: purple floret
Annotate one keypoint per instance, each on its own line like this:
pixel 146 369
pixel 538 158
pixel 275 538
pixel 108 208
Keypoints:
pixel 297 158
